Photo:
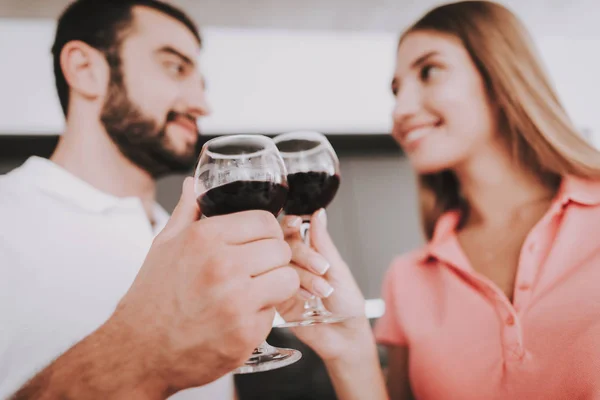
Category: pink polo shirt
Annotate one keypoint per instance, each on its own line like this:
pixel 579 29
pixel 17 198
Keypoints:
pixel 466 340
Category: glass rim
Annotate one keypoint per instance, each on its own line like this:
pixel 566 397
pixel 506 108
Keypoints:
pixel 262 139
pixel 322 139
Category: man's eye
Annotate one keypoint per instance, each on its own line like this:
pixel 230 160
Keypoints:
pixel 176 68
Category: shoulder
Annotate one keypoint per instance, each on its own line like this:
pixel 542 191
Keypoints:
pixel 14 184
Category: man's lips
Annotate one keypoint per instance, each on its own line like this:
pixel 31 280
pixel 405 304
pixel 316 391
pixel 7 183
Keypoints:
pixel 187 124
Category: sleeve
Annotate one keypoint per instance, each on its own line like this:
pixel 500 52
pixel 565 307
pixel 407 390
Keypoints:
pixel 388 329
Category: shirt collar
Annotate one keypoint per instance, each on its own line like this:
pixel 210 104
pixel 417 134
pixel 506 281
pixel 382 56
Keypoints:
pixel 579 190
pixel 58 182
pixel 444 243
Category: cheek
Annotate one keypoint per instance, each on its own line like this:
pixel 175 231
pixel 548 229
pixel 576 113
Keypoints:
pixel 466 125
pixel 465 111
pixel 152 93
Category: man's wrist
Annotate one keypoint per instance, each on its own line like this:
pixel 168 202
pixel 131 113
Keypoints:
pixel 109 363
pixel 141 377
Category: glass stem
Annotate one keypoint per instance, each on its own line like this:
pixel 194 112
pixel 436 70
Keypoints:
pixel 313 307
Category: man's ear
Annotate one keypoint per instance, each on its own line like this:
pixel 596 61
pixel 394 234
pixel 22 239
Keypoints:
pixel 85 69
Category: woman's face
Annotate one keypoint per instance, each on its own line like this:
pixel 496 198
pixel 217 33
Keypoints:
pixel 442 115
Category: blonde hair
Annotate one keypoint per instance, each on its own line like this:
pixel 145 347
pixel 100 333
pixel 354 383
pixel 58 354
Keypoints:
pixel 535 126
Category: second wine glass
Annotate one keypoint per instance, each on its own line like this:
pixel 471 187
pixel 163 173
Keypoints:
pixel 313 180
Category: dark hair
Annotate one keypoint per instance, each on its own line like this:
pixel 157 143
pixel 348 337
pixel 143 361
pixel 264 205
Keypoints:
pixel 103 25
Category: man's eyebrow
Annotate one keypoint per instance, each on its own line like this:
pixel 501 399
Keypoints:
pixel 177 53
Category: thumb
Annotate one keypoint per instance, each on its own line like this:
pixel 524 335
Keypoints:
pixel 186 212
pixel 320 238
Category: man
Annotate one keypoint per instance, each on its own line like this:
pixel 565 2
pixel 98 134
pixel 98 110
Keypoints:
pixel 186 320
pixel 82 222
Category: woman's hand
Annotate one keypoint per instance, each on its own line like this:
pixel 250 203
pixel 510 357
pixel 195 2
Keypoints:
pixel 324 273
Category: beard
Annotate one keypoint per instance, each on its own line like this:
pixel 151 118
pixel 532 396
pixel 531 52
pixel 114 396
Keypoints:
pixel 139 137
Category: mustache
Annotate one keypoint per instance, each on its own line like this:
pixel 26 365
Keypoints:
pixel 173 115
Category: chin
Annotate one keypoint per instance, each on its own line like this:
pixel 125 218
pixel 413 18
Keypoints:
pixel 180 147
pixel 188 152
pixel 430 166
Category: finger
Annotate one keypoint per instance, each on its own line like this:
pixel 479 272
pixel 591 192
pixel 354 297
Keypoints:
pixel 308 258
pixel 186 212
pixel 274 287
pixel 263 255
pixel 264 323
pixel 290 225
pixel 244 227
pixel 313 284
pixel 294 306
pixel 320 239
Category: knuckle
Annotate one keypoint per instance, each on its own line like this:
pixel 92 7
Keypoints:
pixel 289 278
pixel 282 251
pixel 307 281
pixel 297 247
pixel 268 223
pixel 287 252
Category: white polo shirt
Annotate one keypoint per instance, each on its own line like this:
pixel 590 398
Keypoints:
pixel 68 253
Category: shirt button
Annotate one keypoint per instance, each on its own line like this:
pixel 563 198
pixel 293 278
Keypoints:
pixel 531 247
pixel 510 321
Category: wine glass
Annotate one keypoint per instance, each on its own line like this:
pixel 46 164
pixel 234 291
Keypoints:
pixel 239 173
pixel 313 180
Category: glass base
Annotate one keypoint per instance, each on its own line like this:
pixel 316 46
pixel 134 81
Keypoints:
pixel 314 317
pixel 274 358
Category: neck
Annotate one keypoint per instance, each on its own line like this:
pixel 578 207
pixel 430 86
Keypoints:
pixel 86 151
pixel 497 190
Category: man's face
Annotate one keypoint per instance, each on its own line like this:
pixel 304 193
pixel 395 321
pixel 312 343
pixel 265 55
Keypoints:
pixel 156 95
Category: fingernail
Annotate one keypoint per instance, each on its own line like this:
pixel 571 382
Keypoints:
pixel 320 265
pixel 322 288
pixel 322 215
pixel 304 294
pixel 294 222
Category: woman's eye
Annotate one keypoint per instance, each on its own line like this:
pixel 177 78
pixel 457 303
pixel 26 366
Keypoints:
pixel 428 71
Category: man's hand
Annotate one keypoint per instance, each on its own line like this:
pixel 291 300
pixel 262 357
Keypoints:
pixel 205 297
pixel 202 301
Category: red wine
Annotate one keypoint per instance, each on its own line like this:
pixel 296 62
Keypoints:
pixel 310 191
pixel 243 196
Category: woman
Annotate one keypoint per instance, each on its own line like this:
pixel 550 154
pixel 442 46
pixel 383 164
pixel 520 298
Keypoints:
pixel 503 301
